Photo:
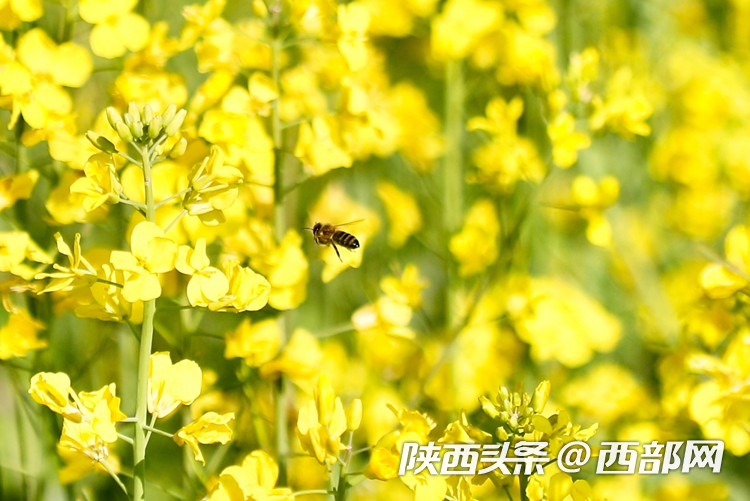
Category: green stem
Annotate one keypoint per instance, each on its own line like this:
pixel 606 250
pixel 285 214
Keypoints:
pixel 144 355
pixel 523 480
pixel 453 176
pixel 151 429
pixel 281 418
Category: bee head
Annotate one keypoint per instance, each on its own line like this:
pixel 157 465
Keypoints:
pixel 316 227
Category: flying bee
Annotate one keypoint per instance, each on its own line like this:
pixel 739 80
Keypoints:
pixel 330 234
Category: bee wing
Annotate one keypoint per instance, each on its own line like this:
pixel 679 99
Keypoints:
pixel 348 224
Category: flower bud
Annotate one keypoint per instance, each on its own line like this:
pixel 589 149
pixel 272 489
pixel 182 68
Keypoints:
pixel 174 126
pixel 124 132
pixel 178 149
pixel 100 142
pixel 137 129
pixel 155 127
pixel 133 111
pixel 128 119
pixel 168 115
pixel 541 394
pixel 113 117
pixel 354 415
pixel 147 114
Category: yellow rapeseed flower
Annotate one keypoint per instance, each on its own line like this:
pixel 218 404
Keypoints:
pixel 210 428
pixel 15 248
pixel 319 147
pixel 151 254
pixel 460 26
pixel 353 20
pixel 300 359
pixel 18 187
pixel 207 284
pixel 321 422
pixel 171 385
pixel 34 79
pixel 100 185
pixel 286 269
pixel 254 479
pixel 248 291
pixel 566 142
pixel 476 246
pixel 116 29
pixel 19 335
pixel 404 216
pixel 17 11
pixel 257 343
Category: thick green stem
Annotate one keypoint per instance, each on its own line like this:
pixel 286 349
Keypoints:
pixel 282 425
pixel 453 176
pixel 144 355
pixel 523 480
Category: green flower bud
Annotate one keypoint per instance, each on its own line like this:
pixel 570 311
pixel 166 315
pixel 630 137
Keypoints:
pixel 137 129
pixel 113 117
pixel 174 126
pixel 100 142
pixel 128 119
pixel 133 110
pixel 147 114
pixel 155 127
pixel 124 132
pixel 178 149
pixel 168 115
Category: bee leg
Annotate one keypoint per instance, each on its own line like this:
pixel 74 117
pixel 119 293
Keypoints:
pixel 337 252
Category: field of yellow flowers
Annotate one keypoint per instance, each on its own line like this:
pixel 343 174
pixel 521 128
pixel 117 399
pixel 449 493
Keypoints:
pixel 550 199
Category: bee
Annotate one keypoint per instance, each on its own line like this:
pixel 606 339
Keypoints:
pixel 329 234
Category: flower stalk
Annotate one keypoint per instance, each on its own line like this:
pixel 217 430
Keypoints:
pixel 144 354
pixel 453 176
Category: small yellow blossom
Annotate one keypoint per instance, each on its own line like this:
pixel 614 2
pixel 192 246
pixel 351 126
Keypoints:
pixel 300 359
pixel 66 208
pixel 460 26
pixel 214 188
pixel 100 185
pixel 18 187
pixel 606 393
pixel 151 254
pixel 353 20
pixel 248 291
pixel 210 428
pixel 170 386
pixel 407 288
pixel 254 479
pixel 476 246
pixel 17 11
pixel 116 29
pixel 207 284
pixel 508 158
pixel 403 213
pixel 108 302
pixel 15 248
pixel 318 147
pixel 564 324
pixel 720 281
pixel 566 142
pixel 286 269
pixel 35 78
pixel 20 335
pixel 625 111
pixel 321 422
pixel 53 390
pixel 257 343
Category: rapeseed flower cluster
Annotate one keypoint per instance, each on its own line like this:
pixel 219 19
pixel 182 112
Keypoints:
pixel 520 190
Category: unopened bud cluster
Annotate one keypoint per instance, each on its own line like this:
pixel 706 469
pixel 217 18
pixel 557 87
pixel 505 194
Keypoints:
pixel 515 410
pixel 143 127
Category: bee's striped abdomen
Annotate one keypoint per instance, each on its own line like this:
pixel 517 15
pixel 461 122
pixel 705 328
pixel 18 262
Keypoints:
pixel 346 240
